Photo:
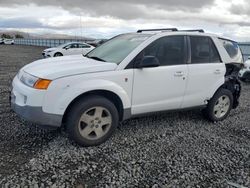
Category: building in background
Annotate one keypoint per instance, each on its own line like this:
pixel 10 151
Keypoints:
pixel 245 48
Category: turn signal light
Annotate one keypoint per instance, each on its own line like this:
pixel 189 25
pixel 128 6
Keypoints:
pixel 42 84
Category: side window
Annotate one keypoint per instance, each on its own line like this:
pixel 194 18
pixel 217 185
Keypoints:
pixel 168 50
pixel 73 46
pixel 231 47
pixel 203 50
pixel 214 54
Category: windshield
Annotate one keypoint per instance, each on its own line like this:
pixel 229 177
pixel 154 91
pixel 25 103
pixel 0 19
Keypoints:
pixel 118 48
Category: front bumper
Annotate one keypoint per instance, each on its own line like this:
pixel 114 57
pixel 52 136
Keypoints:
pixel 36 115
pixel 46 55
pixel 27 103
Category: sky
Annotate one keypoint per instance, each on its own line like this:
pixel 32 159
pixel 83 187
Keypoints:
pixel 107 18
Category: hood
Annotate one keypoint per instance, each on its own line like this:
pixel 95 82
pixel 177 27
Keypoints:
pixel 57 67
pixel 49 49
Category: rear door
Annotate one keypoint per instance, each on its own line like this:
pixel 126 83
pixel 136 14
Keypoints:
pixel 205 71
pixel 161 88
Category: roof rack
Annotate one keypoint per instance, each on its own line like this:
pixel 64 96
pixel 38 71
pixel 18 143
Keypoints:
pixel 172 29
pixel 194 30
pixel 165 29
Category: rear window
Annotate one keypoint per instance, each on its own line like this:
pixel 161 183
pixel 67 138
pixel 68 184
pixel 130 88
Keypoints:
pixel 231 47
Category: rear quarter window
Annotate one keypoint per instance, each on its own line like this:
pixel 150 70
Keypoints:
pixel 231 47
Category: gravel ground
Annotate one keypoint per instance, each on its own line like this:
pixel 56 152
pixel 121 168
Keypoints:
pixel 168 150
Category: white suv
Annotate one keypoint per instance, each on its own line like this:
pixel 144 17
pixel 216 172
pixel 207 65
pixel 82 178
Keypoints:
pixel 130 75
pixel 71 48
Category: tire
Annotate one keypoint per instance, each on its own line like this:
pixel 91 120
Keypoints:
pixel 92 120
pixel 219 106
pixel 58 54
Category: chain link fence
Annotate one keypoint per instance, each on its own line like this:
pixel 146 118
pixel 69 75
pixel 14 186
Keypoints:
pixel 47 42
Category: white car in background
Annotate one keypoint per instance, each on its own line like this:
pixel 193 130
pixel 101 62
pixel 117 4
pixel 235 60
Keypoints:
pixel 245 72
pixel 8 41
pixel 71 48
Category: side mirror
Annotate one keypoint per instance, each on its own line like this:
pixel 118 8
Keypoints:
pixel 248 57
pixel 66 48
pixel 149 61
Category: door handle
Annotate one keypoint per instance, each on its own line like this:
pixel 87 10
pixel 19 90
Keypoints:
pixel 217 71
pixel 178 74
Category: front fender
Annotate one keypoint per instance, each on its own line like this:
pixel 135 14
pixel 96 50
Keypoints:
pixel 58 98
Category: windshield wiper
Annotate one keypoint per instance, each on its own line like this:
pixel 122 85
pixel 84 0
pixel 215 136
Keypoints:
pixel 96 58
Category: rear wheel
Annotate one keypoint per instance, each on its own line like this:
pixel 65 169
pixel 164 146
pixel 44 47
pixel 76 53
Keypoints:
pixel 58 54
pixel 219 106
pixel 92 121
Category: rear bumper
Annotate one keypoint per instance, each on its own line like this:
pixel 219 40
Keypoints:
pixel 36 115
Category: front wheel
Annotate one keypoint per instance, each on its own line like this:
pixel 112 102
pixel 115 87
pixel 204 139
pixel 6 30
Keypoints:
pixel 58 54
pixel 92 120
pixel 219 106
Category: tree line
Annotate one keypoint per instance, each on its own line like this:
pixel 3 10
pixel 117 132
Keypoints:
pixel 7 36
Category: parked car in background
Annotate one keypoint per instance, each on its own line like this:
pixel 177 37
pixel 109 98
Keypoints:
pixel 71 48
pixel 245 71
pixel 8 41
pixel 1 41
pixel 130 75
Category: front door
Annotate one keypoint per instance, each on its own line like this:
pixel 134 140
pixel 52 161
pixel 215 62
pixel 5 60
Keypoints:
pixel 161 88
pixel 72 49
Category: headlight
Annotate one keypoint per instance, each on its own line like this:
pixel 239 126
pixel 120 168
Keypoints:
pixel 28 79
pixel 34 82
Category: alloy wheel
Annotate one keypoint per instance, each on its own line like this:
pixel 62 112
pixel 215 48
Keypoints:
pixel 222 106
pixel 95 123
